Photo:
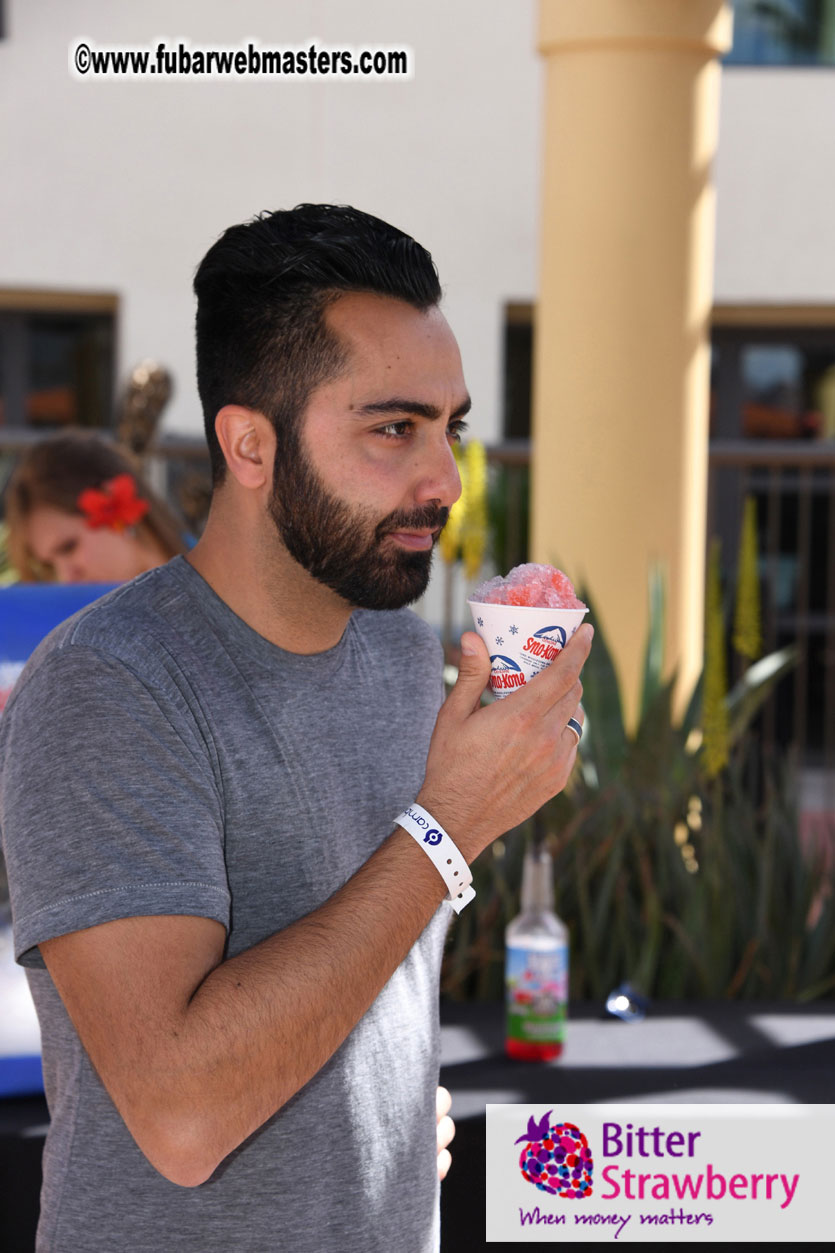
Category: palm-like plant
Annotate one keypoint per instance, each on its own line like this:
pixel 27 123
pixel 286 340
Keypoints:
pixel 683 878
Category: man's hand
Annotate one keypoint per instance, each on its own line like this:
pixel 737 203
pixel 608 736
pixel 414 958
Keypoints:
pixel 446 1130
pixel 491 767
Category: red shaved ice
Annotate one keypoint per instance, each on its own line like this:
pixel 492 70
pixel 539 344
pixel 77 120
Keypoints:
pixel 531 585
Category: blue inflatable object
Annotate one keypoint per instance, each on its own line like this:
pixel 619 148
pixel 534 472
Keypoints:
pixel 21 1076
pixel 28 612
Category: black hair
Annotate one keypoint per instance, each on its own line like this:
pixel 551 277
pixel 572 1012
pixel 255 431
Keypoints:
pixel 262 290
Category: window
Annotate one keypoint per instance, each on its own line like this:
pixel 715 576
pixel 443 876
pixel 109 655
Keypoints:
pixel 518 370
pixel 56 361
pixel 773 383
pixel 773 439
pixel 772 426
pixel 783 32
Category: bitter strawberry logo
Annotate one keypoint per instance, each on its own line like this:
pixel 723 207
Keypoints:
pixel 556 1158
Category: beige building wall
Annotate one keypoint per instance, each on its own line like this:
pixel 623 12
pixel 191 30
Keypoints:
pixel 119 187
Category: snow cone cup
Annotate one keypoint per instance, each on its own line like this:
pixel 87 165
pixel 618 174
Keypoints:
pixel 522 640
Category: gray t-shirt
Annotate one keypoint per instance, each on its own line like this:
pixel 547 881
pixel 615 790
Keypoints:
pixel 158 756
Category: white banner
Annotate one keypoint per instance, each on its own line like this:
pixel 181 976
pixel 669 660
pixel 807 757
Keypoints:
pixel 659 1172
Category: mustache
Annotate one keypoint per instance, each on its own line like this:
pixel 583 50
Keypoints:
pixel 429 517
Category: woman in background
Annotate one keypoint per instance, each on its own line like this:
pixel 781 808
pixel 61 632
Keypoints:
pixel 78 512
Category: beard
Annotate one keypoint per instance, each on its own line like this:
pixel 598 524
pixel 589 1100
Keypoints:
pixel 344 547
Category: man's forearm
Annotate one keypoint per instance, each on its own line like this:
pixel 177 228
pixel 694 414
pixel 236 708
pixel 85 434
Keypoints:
pixel 196 1052
pixel 305 988
pixel 228 1053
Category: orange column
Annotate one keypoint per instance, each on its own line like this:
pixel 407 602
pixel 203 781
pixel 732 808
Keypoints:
pixel 621 374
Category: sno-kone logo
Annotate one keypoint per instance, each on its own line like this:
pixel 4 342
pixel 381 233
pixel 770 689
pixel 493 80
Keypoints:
pixel 432 835
pixel 537 652
pixel 505 674
pixel 544 644
pixel 556 1158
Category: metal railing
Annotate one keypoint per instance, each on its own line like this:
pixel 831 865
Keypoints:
pixel 793 485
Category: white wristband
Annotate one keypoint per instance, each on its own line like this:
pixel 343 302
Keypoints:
pixel 446 857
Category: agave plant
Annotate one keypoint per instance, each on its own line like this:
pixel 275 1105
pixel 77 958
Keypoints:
pixel 683 879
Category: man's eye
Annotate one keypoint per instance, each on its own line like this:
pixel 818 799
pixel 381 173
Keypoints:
pixel 457 428
pixel 395 430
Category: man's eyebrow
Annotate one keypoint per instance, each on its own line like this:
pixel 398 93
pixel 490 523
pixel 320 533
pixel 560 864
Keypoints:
pixel 418 408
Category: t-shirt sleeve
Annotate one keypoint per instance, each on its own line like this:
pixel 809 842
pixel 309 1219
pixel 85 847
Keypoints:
pixel 109 805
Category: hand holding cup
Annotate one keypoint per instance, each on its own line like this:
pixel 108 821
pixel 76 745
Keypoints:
pixel 491 767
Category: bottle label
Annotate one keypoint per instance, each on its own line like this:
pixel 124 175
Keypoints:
pixel 537 991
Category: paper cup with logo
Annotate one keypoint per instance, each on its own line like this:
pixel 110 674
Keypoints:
pixel 522 640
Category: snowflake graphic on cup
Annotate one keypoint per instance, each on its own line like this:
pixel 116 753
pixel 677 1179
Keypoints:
pixel 556 1158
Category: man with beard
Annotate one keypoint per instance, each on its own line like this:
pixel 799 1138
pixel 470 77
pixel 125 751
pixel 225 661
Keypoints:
pixel 225 782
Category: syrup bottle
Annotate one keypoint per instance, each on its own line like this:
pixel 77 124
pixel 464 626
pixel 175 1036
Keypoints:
pixel 536 967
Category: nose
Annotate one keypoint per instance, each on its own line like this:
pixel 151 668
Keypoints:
pixel 440 479
pixel 68 570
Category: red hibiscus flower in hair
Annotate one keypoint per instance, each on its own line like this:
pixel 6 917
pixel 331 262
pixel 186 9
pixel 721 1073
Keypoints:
pixel 115 504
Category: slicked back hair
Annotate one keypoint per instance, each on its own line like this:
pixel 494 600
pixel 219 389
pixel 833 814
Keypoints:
pixel 262 291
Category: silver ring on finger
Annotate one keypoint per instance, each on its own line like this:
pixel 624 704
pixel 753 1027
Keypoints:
pixel 576 727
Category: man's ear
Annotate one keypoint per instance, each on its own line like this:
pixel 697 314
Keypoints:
pixel 247 440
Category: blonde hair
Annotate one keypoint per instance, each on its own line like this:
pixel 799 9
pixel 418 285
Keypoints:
pixel 55 471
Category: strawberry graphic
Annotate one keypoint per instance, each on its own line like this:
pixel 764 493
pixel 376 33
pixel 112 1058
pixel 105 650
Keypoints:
pixel 556 1158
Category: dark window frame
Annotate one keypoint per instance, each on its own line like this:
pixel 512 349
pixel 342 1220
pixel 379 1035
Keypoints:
pixel 22 312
